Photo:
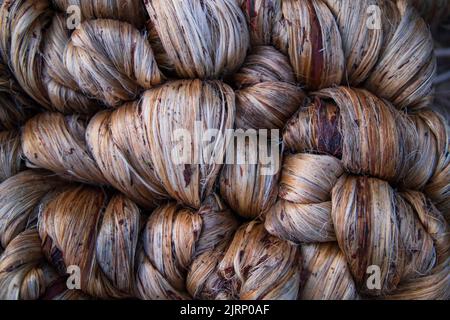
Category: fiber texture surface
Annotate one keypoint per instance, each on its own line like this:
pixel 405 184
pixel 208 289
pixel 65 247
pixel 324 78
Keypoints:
pixel 340 188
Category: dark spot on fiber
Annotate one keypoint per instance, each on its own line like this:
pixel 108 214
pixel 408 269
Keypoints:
pixel 187 174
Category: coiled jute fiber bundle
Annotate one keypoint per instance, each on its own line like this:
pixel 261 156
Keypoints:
pixel 15 109
pixel 364 164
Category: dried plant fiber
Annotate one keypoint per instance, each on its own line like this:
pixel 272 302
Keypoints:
pixel 93 174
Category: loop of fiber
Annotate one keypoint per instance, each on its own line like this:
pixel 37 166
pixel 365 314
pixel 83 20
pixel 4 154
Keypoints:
pixel 94 176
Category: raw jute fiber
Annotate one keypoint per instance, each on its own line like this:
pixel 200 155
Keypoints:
pixel 89 123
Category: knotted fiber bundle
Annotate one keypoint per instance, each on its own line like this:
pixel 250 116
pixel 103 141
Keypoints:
pixel 157 249
pixel 128 148
pixel 15 109
pixel 112 190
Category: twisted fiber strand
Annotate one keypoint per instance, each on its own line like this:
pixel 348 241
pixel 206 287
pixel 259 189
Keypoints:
pixel 357 176
pixel 321 37
pixel 89 238
pixel 187 253
pixel 15 106
pixel 382 57
pixel 15 109
pixel 131 147
pixel 369 135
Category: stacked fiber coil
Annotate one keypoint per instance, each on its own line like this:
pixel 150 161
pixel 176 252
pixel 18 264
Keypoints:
pixel 88 122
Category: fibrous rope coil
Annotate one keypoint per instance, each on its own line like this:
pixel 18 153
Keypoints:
pixel 89 121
